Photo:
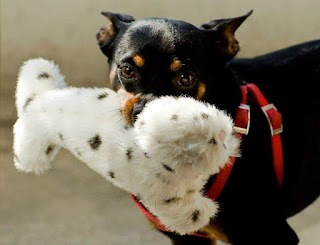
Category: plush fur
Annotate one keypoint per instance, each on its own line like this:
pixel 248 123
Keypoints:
pixel 165 159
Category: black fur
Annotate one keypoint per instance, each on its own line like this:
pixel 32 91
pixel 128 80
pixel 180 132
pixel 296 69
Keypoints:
pixel 253 210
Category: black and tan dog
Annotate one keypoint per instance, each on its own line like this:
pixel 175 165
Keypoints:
pixel 170 57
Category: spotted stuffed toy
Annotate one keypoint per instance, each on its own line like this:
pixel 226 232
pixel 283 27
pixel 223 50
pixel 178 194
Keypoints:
pixel 164 159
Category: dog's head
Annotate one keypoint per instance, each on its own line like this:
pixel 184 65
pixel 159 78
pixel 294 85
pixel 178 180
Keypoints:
pixel 171 57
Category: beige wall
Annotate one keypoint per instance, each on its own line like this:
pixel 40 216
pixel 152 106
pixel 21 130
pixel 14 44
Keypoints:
pixel 64 30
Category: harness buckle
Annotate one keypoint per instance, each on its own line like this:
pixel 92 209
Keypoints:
pixel 274 119
pixel 243 120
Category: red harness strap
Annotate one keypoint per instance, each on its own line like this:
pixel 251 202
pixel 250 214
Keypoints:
pixel 275 122
pixel 242 124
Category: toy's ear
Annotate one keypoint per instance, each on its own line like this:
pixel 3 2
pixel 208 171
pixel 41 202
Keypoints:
pixel 223 31
pixel 107 33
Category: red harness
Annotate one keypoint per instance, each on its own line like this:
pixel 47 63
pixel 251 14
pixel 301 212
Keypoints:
pixel 242 124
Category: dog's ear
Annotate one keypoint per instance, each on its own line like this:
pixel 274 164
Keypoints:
pixel 107 33
pixel 223 31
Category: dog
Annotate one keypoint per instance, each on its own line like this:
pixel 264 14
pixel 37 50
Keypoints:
pixel 161 56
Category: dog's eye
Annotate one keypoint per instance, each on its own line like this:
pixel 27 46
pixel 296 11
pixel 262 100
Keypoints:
pixel 184 80
pixel 127 72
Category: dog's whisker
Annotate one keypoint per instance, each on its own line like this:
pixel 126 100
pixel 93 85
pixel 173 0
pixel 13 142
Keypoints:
pixel 107 112
pixel 120 80
pixel 120 120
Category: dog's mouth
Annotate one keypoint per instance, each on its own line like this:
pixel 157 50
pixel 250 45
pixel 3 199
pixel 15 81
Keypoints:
pixel 132 105
pixel 138 107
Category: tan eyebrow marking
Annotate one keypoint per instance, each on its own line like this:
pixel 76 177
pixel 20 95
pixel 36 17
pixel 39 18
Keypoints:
pixel 201 91
pixel 175 65
pixel 138 60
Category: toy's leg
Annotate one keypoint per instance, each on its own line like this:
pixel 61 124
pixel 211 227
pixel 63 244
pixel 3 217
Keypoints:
pixel 32 149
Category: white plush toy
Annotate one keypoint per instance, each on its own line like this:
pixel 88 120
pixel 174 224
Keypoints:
pixel 165 159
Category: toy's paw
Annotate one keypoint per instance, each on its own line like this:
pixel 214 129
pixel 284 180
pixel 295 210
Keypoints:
pixel 35 77
pixel 185 215
pixel 32 151
pixel 184 133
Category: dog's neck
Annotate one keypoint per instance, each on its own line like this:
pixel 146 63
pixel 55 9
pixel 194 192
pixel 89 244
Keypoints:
pixel 224 90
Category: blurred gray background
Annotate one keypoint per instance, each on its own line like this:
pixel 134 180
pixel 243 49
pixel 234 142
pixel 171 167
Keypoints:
pixel 71 204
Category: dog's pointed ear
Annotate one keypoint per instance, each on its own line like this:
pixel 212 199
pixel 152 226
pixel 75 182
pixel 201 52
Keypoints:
pixel 107 33
pixel 223 31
